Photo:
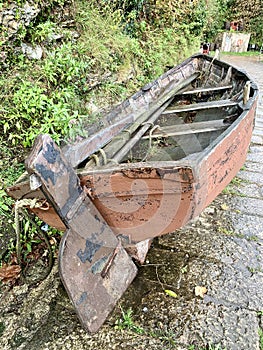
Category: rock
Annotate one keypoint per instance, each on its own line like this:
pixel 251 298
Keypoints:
pixel 15 17
pixel 32 52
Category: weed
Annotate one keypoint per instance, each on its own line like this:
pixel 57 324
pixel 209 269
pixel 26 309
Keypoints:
pixel 64 66
pixel 184 269
pixel 43 31
pixel 2 328
pixel 226 231
pixel 253 238
pixel 260 333
pixel 166 336
pixel 240 235
pixel 126 322
pixel 254 269
pixel 229 190
pixel 236 181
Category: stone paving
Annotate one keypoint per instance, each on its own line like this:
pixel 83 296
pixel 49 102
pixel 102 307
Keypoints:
pixel 222 250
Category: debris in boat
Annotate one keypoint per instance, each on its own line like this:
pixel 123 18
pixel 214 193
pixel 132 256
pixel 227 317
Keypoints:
pixel 246 93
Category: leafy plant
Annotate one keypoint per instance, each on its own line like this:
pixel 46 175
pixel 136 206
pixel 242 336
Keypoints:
pixel 260 332
pixel 63 66
pixel 126 322
pixel 43 31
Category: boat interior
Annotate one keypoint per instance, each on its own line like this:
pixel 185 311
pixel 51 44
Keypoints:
pixel 191 120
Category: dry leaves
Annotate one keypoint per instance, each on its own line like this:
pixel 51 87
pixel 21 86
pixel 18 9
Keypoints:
pixel 200 291
pixel 9 273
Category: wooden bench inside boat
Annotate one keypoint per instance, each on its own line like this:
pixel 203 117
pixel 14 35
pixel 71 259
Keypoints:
pixel 200 106
pixel 207 90
pixel 190 128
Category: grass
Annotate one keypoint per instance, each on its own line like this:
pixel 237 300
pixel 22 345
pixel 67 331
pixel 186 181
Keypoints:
pixel 59 93
pixel 126 322
pixel 236 182
pixel 226 231
pixel 241 54
pixel 260 333
pixel 167 336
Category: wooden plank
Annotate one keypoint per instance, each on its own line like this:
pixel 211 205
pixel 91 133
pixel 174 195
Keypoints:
pixel 209 89
pixel 191 128
pixel 94 267
pixel 200 106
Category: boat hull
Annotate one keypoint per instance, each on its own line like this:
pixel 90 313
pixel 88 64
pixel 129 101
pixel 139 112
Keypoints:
pixel 142 200
pixel 145 201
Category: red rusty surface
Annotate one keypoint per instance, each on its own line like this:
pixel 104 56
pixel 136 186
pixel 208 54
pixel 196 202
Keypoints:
pixel 145 202
pixel 50 217
pixel 223 162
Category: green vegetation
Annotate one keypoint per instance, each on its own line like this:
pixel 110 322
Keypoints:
pixel 2 328
pixel 260 333
pixel 226 231
pixel 167 336
pixel 242 54
pixel 126 322
pixel 232 188
pixel 108 51
pixel 94 64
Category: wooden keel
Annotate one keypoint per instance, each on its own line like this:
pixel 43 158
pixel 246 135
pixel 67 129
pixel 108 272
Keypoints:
pixel 94 267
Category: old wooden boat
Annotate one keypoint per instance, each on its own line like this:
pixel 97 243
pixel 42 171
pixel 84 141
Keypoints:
pixel 149 166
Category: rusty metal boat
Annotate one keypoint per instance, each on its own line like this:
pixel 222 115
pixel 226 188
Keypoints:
pixel 150 166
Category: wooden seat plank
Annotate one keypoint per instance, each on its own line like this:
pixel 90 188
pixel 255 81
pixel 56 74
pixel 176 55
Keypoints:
pixel 208 89
pixel 191 128
pixel 200 106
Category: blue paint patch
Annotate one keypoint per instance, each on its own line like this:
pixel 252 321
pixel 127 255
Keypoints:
pixel 89 252
pixel 82 298
pixel 46 173
pixel 52 155
pixel 98 266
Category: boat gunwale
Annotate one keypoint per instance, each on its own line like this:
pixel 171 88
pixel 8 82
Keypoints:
pixel 215 61
pixel 176 164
